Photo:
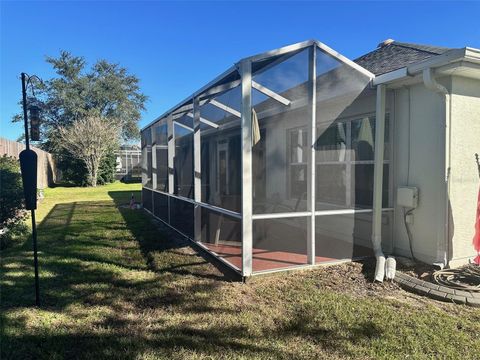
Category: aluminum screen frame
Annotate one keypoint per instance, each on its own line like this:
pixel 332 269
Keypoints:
pixel 241 76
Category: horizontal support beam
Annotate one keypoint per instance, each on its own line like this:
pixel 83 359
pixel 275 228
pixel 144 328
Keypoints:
pixel 347 211
pixel 317 213
pixel 217 209
pixel 221 88
pixel 205 121
pixel 185 109
pixel 225 108
pixel 184 126
pixel 271 93
pixel 281 215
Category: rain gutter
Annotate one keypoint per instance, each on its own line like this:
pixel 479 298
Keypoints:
pixel 378 182
pixel 466 54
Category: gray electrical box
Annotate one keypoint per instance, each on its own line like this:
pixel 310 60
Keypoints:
pixel 407 197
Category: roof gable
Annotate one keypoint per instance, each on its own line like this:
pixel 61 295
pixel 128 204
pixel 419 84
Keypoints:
pixel 396 55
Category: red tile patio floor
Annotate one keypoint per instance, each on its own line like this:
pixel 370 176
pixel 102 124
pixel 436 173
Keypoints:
pixel 262 259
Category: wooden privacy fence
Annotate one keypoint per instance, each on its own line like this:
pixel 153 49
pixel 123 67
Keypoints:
pixel 46 169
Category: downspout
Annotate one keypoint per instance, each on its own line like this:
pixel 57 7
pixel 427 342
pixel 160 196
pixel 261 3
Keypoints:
pixel 431 84
pixel 378 183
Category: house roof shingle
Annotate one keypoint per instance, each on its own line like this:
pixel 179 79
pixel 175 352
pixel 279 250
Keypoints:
pixel 394 55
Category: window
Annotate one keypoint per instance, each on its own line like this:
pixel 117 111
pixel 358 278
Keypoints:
pixel 298 161
pixel 345 162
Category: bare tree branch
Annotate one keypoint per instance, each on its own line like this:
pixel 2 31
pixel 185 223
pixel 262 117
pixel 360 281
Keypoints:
pixel 89 139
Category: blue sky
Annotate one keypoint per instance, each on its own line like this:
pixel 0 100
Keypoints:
pixel 176 47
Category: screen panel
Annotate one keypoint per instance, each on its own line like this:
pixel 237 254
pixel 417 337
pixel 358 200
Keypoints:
pixel 222 234
pixel 281 150
pixel 221 156
pixel 345 136
pixel 279 243
pixel 147 199
pixel 183 162
pixel 348 236
pixel 147 158
pixel 181 216
pixel 160 206
pixel 161 155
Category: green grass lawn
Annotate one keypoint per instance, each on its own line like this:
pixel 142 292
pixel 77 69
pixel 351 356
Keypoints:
pixel 112 286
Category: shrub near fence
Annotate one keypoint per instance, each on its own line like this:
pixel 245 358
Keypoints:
pixel 11 201
pixel 47 174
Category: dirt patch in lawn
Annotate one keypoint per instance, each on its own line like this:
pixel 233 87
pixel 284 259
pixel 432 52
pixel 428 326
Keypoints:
pixel 417 270
pixel 355 279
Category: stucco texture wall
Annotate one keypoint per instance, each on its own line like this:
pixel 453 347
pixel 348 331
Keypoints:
pixel 464 177
pixel 419 160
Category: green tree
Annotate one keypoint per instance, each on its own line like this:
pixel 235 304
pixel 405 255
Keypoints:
pixel 105 90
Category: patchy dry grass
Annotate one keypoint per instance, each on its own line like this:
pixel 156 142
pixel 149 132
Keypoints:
pixel 113 286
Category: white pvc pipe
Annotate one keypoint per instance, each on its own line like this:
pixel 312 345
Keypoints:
pixel 378 183
pixel 380 268
pixel 378 171
pixel 390 268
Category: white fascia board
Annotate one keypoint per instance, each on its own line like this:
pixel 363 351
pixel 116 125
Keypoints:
pixel 452 56
pixel 457 67
pixel 436 61
pixel 472 54
pixel 271 93
pixel 391 76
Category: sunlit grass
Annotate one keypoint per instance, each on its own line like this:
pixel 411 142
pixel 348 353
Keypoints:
pixel 113 286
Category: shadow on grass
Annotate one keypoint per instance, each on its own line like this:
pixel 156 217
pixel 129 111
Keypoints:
pixel 168 240
pixel 69 252
pixel 113 285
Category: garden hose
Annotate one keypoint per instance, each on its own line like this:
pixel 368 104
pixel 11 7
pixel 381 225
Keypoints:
pixel 466 278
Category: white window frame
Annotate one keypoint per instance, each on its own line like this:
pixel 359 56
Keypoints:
pixel 349 163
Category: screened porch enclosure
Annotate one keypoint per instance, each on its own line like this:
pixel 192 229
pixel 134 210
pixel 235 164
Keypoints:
pixel 271 165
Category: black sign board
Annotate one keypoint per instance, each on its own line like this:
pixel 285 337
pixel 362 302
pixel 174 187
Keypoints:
pixel 28 165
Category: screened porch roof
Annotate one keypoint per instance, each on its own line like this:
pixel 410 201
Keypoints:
pixel 231 78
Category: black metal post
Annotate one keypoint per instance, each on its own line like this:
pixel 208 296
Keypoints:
pixel 35 259
pixel 25 118
pixel 34 225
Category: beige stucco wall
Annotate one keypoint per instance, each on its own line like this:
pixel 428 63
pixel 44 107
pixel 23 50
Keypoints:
pixel 464 178
pixel 419 153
